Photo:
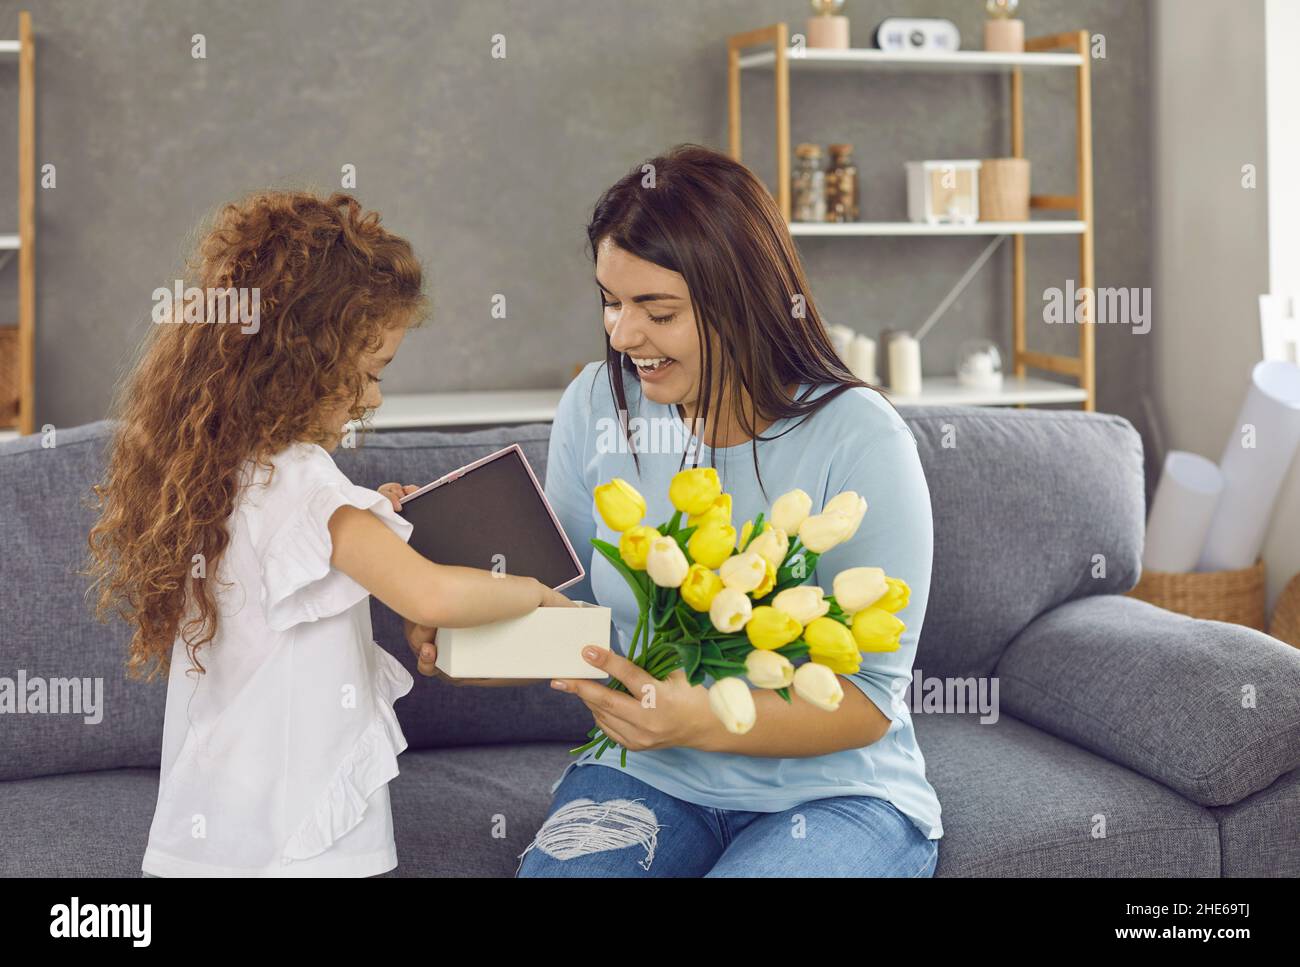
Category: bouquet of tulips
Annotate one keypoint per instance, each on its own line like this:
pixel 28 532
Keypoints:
pixel 721 605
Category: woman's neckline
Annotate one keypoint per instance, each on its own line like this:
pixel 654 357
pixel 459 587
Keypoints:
pixel 700 445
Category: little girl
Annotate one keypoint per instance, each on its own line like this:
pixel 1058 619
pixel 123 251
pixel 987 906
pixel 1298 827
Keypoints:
pixel 243 559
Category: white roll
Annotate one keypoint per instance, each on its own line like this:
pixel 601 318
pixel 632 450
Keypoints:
pixel 1181 511
pixel 1253 475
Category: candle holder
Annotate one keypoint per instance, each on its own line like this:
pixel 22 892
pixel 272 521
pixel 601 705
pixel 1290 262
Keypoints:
pixel 1002 32
pixel 828 29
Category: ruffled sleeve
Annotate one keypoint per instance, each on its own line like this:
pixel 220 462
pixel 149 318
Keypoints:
pixel 298 582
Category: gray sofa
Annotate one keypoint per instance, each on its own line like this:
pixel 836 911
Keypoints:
pixel 1128 741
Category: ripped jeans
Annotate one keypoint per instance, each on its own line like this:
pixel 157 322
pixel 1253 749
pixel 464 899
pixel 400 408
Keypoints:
pixel 604 822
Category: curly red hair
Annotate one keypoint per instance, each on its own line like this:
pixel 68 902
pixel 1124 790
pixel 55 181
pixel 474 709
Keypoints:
pixel 204 399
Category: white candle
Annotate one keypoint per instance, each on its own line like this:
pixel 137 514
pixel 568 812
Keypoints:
pixel 904 365
pixel 862 359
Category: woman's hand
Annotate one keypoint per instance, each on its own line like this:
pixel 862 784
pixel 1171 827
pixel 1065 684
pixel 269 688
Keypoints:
pixel 655 715
pixel 395 492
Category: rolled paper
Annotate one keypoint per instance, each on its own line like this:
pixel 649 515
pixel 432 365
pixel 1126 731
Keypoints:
pixel 862 359
pixel 904 365
pixel 1254 465
pixel 1188 492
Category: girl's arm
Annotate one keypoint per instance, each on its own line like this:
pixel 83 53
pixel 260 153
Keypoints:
pixel 434 595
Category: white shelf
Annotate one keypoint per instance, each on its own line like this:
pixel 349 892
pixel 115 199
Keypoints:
pixel 433 410
pixel 8 47
pixel 946 391
pixel 9 242
pixel 8 435
pixel 866 58
pixel 414 410
pixel 1042 227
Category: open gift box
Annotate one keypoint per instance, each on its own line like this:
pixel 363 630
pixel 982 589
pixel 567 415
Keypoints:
pixel 546 643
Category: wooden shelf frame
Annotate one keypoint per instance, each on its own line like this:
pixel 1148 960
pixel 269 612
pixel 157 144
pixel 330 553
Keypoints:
pixel 25 241
pixel 1076 45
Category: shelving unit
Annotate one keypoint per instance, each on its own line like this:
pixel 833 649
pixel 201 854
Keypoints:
pixel 1063 51
pixel 18 342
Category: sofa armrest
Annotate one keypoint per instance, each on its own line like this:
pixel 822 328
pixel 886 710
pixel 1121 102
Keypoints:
pixel 1210 709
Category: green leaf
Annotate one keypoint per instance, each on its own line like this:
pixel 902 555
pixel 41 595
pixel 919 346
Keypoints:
pixel 690 655
pixel 758 529
pixel 614 558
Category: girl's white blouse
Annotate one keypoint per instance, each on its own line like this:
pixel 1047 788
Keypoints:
pixel 276 762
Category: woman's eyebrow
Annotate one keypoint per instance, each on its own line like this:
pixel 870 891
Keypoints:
pixel 648 297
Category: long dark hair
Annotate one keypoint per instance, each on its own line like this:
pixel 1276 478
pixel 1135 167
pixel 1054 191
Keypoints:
pixel 697 212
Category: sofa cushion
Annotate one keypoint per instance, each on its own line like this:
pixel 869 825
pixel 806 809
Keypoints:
pixel 49 631
pixel 1032 508
pixel 1258 835
pixel 1019 802
pixel 1208 708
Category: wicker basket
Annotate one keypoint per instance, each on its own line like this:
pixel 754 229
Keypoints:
pixel 1238 596
pixel 1286 614
pixel 9 390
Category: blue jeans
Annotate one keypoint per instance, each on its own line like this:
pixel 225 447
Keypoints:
pixel 603 822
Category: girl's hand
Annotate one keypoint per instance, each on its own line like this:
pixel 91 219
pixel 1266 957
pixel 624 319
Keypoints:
pixel 424 645
pixel 655 715
pixel 395 492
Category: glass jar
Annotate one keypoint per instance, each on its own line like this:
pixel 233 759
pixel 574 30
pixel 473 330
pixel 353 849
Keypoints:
pixel 808 185
pixel 842 185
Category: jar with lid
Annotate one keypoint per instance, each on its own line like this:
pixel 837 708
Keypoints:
pixel 808 185
pixel 842 185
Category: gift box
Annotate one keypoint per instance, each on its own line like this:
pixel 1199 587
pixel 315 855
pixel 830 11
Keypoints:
pixel 546 643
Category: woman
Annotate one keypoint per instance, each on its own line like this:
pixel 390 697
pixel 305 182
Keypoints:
pixel 697 272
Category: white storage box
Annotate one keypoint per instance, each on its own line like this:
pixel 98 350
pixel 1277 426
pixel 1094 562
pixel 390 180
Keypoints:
pixel 546 643
pixel 943 192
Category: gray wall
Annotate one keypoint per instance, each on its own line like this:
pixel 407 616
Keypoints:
pixel 491 166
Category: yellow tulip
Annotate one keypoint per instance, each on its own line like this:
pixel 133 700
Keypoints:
pixel 730 610
pixel 772 544
pixel 619 504
pixel 700 587
pixel 768 669
pixel 745 531
pixel 720 509
pixel 831 644
pixel 803 603
pixel 744 572
pixel 731 702
pixel 896 597
pixel 634 545
pixel 850 505
pixel 768 582
pixel 821 532
pixel 666 564
pixel 712 543
pixel 770 629
pixel 875 629
pixel 790 510
pixel 859 587
pixel 694 491
pixel 818 685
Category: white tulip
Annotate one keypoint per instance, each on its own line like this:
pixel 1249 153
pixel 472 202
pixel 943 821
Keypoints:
pixel 818 685
pixel 860 587
pixel 744 571
pixel 666 564
pixel 789 511
pixel 731 702
pixel 768 669
pixel 730 610
pixel 803 603
pixel 820 532
pixel 850 505
pixel 772 545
